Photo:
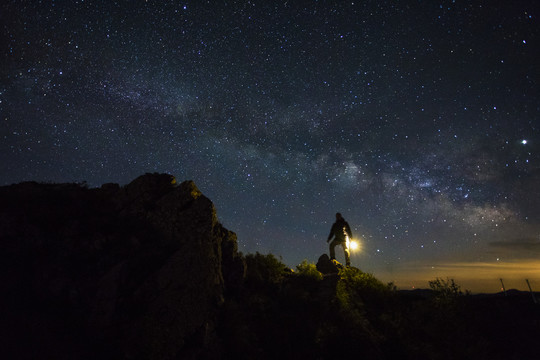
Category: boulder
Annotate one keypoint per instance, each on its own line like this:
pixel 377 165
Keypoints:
pixel 327 266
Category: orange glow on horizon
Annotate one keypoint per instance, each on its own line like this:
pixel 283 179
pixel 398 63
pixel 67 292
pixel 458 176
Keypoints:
pixel 475 276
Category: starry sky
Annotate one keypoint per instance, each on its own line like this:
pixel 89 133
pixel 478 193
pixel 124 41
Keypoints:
pixel 418 120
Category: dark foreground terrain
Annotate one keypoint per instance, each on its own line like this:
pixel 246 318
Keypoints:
pixel 146 271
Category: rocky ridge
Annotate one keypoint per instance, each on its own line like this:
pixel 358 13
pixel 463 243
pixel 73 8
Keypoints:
pixel 135 272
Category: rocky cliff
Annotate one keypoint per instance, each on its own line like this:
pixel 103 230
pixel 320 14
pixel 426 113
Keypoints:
pixel 133 272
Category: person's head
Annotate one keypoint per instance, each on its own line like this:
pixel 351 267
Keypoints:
pixel 338 216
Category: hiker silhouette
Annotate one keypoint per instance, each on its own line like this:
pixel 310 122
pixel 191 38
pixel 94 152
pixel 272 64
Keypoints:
pixel 340 231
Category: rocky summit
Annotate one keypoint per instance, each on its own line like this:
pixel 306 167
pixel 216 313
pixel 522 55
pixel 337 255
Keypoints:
pixel 134 272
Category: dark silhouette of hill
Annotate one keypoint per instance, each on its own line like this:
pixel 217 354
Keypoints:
pixel 146 271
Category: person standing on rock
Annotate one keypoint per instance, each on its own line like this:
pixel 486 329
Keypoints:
pixel 340 231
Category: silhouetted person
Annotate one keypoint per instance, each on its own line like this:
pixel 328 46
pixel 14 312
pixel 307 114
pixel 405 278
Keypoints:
pixel 340 231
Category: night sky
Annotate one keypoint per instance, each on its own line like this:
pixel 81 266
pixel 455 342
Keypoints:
pixel 418 120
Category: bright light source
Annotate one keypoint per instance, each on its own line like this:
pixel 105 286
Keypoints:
pixel 352 244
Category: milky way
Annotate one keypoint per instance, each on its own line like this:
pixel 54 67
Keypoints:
pixel 417 120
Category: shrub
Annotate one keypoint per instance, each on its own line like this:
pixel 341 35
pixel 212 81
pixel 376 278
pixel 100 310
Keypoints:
pixel 359 280
pixel 445 288
pixel 309 270
pixel 264 269
pixel 445 292
pixel 355 288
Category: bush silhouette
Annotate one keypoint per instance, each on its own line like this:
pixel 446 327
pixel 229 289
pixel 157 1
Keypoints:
pixel 355 288
pixel 445 288
pixel 264 270
pixel 309 270
pixel 445 292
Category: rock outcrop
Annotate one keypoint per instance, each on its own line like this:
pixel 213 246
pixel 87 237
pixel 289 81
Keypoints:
pixel 327 266
pixel 132 272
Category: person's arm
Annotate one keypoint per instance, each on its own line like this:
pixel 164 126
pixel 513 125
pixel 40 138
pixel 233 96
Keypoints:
pixel 331 233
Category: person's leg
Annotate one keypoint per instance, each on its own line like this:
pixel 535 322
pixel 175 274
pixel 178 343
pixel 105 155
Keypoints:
pixel 347 254
pixel 332 249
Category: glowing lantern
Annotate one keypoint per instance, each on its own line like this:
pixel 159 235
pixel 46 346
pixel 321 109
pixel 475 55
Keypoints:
pixel 352 244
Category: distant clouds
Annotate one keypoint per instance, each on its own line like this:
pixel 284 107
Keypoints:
pixel 473 276
pixel 521 247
